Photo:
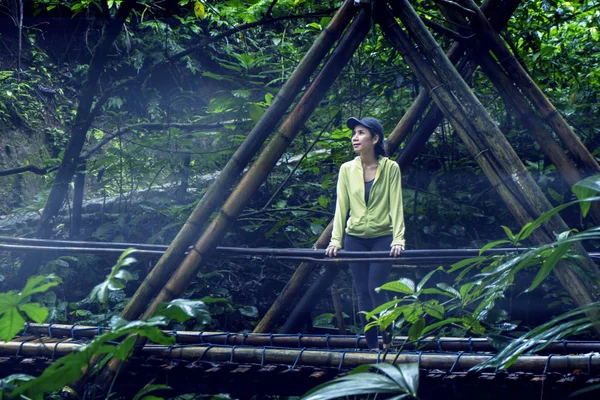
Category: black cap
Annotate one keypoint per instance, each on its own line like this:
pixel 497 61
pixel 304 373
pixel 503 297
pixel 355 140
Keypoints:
pixel 373 124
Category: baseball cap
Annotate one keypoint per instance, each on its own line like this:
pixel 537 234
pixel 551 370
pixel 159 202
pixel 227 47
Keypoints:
pixel 372 123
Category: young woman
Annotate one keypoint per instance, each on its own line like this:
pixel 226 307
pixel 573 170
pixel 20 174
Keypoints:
pixel 368 214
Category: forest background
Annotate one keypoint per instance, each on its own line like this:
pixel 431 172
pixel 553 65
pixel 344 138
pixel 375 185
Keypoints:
pixel 169 124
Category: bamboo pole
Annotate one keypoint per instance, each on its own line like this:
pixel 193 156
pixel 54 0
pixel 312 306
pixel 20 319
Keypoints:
pixel 219 188
pixel 420 258
pixel 546 109
pixel 404 127
pixel 517 103
pixel 309 300
pixel 294 340
pixel 483 139
pixel 337 306
pixel 319 358
pixel 259 171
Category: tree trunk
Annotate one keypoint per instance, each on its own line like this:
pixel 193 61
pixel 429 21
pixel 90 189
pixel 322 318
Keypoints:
pixel 78 193
pixel 219 188
pixel 82 123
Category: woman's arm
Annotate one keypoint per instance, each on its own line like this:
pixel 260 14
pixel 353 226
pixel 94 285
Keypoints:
pixel 342 206
pixel 396 211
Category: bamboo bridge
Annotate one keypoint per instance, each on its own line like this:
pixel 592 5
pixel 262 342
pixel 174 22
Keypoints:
pixel 246 364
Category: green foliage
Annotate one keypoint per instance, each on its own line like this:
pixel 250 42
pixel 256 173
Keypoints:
pixel 181 310
pixel 400 380
pixel 72 366
pixel 16 307
pixel 116 280
pixel 568 324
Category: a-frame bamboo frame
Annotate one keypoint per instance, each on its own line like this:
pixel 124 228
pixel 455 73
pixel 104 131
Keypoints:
pixel 451 95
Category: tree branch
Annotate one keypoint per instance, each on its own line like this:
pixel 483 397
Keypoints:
pixel 27 168
pixel 270 9
pixel 144 73
pixel 149 126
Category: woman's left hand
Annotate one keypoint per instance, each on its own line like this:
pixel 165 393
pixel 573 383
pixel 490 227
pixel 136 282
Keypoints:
pixel 396 250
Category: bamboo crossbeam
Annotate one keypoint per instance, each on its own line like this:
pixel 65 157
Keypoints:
pixel 318 358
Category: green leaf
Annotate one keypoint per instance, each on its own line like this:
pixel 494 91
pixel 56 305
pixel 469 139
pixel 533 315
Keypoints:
pixel 402 285
pixel 447 288
pixel 402 379
pixel 149 389
pixel 434 326
pixel 181 310
pixel 434 309
pixel 549 264
pixel 585 189
pixel 426 278
pixel 255 112
pixel 492 245
pixel 11 323
pixel 414 333
pixel 463 263
pixel 35 312
pixel 249 311
pixel 508 232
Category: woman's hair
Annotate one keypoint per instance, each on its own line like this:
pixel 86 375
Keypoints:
pixel 379 146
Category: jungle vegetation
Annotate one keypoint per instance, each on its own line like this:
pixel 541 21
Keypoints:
pixel 131 108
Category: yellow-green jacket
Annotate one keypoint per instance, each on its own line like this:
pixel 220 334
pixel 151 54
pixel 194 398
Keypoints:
pixel 383 216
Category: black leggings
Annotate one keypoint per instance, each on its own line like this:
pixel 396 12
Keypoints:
pixel 367 277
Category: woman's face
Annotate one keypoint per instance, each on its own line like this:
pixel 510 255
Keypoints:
pixel 363 142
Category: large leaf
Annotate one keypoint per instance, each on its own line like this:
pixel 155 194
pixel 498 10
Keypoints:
pixel 549 264
pixel 537 339
pixel 414 333
pixel 11 323
pixel 403 379
pixel 402 285
pixel 181 310
pixel 34 312
pixel 426 278
pixel 585 189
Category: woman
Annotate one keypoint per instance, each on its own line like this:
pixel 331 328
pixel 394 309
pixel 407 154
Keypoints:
pixel 369 189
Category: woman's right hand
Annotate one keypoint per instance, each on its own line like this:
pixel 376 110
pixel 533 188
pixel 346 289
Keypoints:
pixel 331 251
